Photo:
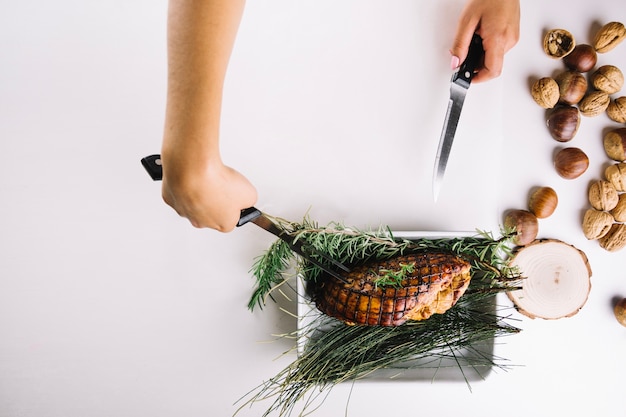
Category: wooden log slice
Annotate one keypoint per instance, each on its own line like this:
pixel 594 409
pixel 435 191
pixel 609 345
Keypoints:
pixel 557 279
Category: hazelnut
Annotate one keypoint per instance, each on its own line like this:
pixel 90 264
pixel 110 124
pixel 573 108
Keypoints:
pixel 616 174
pixel 582 58
pixel 571 163
pixel 615 144
pixel 608 78
pixel 615 239
pixel 619 211
pixel 609 36
pixel 572 87
pixel 602 195
pixel 557 43
pixel 563 122
pixel 524 223
pixel 616 110
pixel 545 92
pixel 596 223
pixel 543 202
pixel 594 103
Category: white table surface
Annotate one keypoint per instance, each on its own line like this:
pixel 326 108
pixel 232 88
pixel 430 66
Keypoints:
pixel 111 305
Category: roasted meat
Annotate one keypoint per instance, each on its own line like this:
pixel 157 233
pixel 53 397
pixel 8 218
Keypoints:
pixel 425 284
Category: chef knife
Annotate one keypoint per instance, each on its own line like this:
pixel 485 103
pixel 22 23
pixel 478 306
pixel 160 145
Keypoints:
pixel 459 85
pixel 153 166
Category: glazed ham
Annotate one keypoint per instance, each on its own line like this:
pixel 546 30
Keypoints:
pixel 426 283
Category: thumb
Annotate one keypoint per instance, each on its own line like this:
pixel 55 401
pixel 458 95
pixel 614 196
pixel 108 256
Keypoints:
pixel 465 30
pixel 459 49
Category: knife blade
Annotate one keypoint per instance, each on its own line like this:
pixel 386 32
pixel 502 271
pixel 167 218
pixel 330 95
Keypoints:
pixel 152 165
pixel 459 84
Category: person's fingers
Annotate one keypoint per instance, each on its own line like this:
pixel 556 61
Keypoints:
pixel 492 64
pixel 462 39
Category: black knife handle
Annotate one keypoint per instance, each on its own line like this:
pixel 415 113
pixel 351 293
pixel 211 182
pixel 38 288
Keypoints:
pixel 247 215
pixel 152 164
pixel 474 59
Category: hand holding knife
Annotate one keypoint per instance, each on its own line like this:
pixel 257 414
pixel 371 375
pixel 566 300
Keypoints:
pixel 459 85
pixel 152 164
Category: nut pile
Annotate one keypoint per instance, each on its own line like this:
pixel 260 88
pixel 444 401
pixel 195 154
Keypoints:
pixel 591 95
pixel 584 90
pixel 605 219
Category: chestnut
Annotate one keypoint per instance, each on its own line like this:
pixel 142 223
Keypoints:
pixel 583 58
pixel 543 202
pixel 571 163
pixel 563 122
pixel 525 225
pixel 572 86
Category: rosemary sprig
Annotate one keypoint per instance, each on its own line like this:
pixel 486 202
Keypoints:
pixel 269 270
pixel 351 247
pixel 391 278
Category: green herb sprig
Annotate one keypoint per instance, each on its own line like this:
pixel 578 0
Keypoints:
pixel 392 278
pixel 335 352
pixel 352 247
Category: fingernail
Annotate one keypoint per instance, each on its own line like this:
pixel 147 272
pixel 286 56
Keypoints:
pixel 454 62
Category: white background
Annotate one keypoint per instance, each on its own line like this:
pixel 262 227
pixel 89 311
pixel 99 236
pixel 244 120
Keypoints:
pixel 111 305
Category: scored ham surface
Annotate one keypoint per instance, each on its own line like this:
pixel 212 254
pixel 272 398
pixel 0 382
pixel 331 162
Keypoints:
pixel 434 283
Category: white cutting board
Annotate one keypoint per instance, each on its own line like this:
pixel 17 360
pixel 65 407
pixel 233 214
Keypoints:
pixel 337 107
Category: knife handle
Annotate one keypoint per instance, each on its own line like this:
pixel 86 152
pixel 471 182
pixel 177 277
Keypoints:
pixel 153 166
pixel 247 215
pixel 466 71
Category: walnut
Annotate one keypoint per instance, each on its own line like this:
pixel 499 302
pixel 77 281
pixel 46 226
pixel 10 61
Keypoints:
pixel 596 223
pixel 608 78
pixel 615 144
pixel 559 42
pixel 545 92
pixel 617 110
pixel 616 174
pixel 615 239
pixel 619 212
pixel 609 36
pixel 594 103
pixel 602 195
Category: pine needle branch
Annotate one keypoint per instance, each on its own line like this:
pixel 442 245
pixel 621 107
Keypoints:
pixel 335 352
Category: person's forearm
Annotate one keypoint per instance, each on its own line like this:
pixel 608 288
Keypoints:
pixel 201 34
pixel 196 184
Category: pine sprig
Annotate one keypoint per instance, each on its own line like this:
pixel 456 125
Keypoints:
pixel 335 352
